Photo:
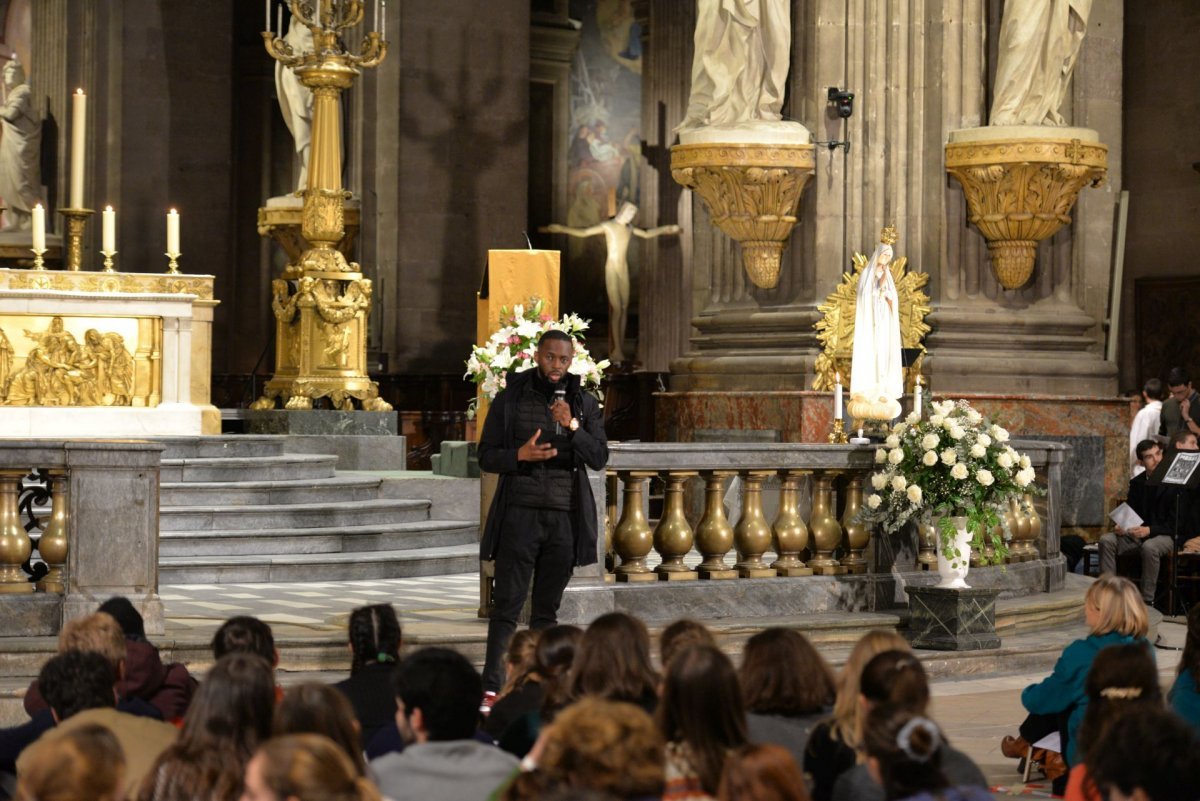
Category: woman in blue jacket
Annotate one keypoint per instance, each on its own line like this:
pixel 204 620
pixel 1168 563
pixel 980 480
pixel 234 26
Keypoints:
pixel 1185 693
pixel 1116 615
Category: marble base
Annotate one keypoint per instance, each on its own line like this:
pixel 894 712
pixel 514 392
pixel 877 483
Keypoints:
pixel 320 421
pixel 456 459
pixel 31 614
pixel 952 620
pixel 167 419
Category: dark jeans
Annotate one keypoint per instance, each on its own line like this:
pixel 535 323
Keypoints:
pixel 537 544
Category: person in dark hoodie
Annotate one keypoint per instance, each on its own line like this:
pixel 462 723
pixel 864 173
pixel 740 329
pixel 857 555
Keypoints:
pixel 541 434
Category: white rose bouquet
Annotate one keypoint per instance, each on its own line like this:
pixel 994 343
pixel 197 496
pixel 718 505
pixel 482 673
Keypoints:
pixel 511 350
pixel 954 463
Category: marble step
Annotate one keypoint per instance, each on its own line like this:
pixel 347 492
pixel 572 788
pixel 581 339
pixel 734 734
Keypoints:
pixel 346 566
pixel 229 446
pixel 294 515
pixel 249 493
pixel 317 539
pixel 285 467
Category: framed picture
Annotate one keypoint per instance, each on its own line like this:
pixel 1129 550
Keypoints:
pixel 1182 468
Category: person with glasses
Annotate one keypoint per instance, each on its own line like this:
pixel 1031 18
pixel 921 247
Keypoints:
pixel 1181 411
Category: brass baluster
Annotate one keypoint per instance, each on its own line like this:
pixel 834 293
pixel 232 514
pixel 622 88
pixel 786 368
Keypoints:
pixel 1030 549
pixel 790 533
pixel 928 543
pixel 673 535
pixel 752 533
pixel 632 537
pixel 826 532
pixel 714 535
pixel 15 546
pixel 53 543
pixel 858 536
pixel 611 487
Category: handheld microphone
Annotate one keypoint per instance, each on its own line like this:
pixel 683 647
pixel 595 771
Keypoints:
pixel 560 394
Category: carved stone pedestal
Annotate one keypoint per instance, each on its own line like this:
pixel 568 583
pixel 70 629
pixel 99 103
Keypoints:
pixel 952 620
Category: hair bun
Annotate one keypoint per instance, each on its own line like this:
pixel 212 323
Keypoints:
pixel 919 739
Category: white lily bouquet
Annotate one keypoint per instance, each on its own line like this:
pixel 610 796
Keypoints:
pixel 511 349
pixel 955 463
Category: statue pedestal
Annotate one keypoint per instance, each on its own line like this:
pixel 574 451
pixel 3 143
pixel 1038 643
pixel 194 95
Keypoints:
pixel 952 620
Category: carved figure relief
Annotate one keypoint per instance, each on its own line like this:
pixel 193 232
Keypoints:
pixel 59 371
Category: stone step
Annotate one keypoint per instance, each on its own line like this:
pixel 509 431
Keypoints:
pixel 294 515
pixel 236 445
pixel 290 466
pixel 318 539
pixel 319 566
pixel 248 493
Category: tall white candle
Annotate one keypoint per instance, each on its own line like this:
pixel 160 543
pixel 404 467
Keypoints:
pixel 279 19
pixel 78 139
pixel 39 228
pixel 383 21
pixel 917 397
pixel 173 232
pixel 837 398
pixel 267 15
pixel 108 238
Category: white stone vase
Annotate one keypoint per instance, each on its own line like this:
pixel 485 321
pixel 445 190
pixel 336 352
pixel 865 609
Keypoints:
pixel 954 571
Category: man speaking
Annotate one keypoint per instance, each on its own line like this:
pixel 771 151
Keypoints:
pixel 541 434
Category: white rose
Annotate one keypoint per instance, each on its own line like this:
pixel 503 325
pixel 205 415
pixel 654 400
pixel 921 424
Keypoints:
pixel 892 441
pixel 914 493
pixel 929 459
pixel 899 427
pixel 1004 460
pixel 896 456
pixel 873 501
pixel 930 441
pixel 984 477
pixel 913 418
pixel 899 483
pixel 974 417
pixel 1000 434
pixel 1025 463
pixel 978 451
pixel 880 456
pixel 1025 477
pixel 957 432
pixel 949 424
pixel 878 481
pixel 949 456
pixel 943 407
pixel 936 420
pixel 959 471
pixel 984 440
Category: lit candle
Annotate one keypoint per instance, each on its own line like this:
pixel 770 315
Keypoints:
pixel 108 238
pixel 917 397
pixel 837 397
pixel 78 137
pixel 39 228
pixel 383 22
pixel 173 232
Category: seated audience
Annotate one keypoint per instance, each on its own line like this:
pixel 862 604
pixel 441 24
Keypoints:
pixel 701 717
pixel 375 651
pixel 896 679
pixel 1123 678
pixel 1155 538
pixel 1185 441
pixel 314 708
pixel 85 764
pixel 904 756
pixel 78 685
pixel 1181 411
pixel 522 691
pixel 1185 692
pixel 228 718
pixel 1151 756
pixel 247 635
pixel 1145 423
pixel 437 711
pixel 1116 615
pixel 304 767
pixel 833 743
pixel 679 635
pixel 610 747
pixel 787 687
pixel 552 668
pixel 613 662
pixel 761 773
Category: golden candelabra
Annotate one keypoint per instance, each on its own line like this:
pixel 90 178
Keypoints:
pixel 76 225
pixel 38 262
pixel 837 432
pixel 108 260
pixel 172 263
pixel 322 303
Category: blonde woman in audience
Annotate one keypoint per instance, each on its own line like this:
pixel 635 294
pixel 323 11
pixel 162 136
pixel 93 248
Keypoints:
pixel 86 764
pixel 305 767
pixel 522 691
pixel 228 718
pixel 832 745
pixel 314 708
pixel 550 683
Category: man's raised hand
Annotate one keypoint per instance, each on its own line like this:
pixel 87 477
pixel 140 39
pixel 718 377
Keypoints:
pixel 533 451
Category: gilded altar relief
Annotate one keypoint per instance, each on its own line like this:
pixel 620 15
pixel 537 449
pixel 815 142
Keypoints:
pixel 835 329
pixel 67 360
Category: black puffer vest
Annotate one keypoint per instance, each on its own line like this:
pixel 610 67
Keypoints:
pixel 542 485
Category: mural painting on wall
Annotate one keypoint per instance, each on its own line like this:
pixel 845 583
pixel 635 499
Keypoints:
pixel 604 154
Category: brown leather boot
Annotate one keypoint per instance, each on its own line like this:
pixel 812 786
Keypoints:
pixel 1053 765
pixel 1014 747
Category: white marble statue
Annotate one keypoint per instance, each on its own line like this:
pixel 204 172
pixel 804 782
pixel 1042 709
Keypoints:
pixel 743 49
pixel 20 150
pixel 876 374
pixel 617 233
pixel 1039 44
pixel 296 99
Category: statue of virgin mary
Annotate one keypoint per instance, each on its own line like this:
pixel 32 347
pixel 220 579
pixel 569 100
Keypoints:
pixel 876 377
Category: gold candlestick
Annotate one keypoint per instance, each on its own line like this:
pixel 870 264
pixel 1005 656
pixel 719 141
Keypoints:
pixel 38 264
pixel 173 263
pixel 108 260
pixel 837 434
pixel 76 225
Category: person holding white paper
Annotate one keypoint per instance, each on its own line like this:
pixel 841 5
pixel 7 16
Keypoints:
pixel 1154 539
